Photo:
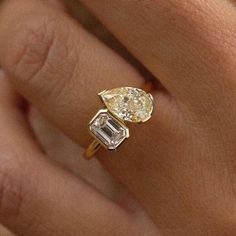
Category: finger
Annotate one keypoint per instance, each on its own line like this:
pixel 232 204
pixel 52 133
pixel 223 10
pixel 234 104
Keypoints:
pixel 190 43
pixel 39 198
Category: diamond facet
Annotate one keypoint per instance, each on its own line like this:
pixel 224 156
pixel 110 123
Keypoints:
pixel 128 104
pixel 108 130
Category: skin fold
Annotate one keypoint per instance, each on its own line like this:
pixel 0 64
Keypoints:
pixel 178 169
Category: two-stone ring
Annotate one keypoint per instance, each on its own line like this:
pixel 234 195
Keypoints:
pixel 122 105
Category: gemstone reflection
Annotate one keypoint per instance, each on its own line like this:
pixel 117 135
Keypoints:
pixel 128 104
pixel 108 130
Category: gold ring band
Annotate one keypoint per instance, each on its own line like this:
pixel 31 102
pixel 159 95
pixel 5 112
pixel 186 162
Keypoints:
pixel 92 149
pixel 122 105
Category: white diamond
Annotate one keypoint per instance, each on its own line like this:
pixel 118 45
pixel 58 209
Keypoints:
pixel 128 104
pixel 108 130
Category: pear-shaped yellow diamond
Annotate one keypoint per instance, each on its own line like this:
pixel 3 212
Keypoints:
pixel 128 104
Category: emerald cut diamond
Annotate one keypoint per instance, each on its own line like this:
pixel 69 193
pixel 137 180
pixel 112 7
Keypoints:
pixel 108 130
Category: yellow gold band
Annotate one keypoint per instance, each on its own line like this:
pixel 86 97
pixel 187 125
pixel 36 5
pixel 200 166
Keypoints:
pixel 92 149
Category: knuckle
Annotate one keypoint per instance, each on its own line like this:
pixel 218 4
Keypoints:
pixel 31 46
pixel 41 48
pixel 11 191
pixel 16 193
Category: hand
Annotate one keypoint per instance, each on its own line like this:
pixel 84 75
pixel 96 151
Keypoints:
pixel 179 166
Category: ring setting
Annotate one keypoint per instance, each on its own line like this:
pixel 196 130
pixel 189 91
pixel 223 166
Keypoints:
pixel 122 105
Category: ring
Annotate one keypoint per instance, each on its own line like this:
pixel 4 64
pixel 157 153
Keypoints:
pixel 121 105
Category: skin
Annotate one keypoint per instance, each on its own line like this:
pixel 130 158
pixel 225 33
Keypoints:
pixel 179 166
